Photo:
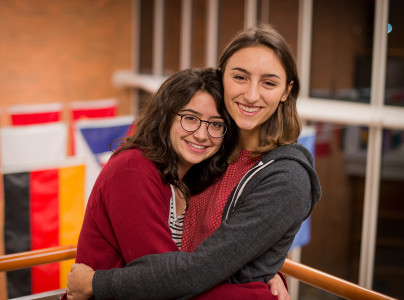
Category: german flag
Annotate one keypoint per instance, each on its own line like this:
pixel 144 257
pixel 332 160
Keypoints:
pixel 43 208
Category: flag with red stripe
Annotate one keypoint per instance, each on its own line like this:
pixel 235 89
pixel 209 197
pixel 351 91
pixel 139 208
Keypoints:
pixel 43 208
pixel 35 114
pixel 95 109
pixel 102 108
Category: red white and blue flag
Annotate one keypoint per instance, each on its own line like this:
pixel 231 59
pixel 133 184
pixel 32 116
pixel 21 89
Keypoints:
pixel 94 140
pixel 91 109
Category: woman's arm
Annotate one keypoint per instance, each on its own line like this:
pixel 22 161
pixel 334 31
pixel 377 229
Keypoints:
pixel 254 228
pixel 81 276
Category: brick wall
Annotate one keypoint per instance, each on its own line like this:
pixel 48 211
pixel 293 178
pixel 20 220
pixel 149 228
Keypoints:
pixel 61 51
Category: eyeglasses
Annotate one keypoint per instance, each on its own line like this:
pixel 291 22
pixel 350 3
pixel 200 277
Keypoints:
pixel 192 123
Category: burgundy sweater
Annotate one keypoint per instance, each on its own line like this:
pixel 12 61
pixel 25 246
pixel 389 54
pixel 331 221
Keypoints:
pixel 126 215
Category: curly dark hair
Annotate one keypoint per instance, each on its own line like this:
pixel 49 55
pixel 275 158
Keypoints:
pixel 152 134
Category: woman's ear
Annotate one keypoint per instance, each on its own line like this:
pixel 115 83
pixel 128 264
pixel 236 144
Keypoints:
pixel 288 89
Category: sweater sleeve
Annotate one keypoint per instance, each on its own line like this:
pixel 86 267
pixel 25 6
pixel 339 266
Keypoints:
pixel 138 211
pixel 275 204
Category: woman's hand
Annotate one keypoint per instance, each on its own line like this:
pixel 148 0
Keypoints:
pixel 80 282
pixel 278 288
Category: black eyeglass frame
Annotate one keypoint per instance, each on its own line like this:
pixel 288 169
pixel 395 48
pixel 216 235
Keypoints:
pixel 200 123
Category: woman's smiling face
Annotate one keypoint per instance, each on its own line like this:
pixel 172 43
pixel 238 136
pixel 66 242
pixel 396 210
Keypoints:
pixel 194 147
pixel 254 83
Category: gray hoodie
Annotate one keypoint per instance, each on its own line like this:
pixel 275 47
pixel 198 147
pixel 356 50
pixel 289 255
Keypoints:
pixel 260 220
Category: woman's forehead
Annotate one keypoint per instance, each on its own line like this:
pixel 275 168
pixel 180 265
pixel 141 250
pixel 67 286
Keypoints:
pixel 256 59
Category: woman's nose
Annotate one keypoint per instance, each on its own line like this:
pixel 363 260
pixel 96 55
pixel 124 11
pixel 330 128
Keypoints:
pixel 202 131
pixel 251 94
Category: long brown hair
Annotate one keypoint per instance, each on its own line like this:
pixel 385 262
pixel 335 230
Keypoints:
pixel 284 126
pixel 152 134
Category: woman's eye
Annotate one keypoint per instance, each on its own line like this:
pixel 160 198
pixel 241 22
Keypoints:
pixel 190 118
pixel 239 77
pixel 217 125
pixel 269 83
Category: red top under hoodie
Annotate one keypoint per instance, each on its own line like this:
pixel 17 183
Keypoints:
pixel 205 210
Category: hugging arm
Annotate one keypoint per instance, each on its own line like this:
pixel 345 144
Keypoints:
pixel 252 230
pixel 79 287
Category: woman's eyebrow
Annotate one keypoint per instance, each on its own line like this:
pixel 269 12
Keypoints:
pixel 249 73
pixel 198 114
pixel 191 111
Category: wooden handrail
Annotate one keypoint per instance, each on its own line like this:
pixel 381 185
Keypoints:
pixel 32 258
pixel 311 276
pixel 329 283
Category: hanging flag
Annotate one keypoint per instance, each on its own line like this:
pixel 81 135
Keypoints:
pixel 22 145
pixel 43 208
pixel 35 114
pixel 308 139
pixel 94 139
pixel 95 109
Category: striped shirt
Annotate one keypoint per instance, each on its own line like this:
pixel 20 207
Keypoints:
pixel 176 223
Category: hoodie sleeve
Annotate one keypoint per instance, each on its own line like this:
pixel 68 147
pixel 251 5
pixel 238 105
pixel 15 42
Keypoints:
pixel 265 219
